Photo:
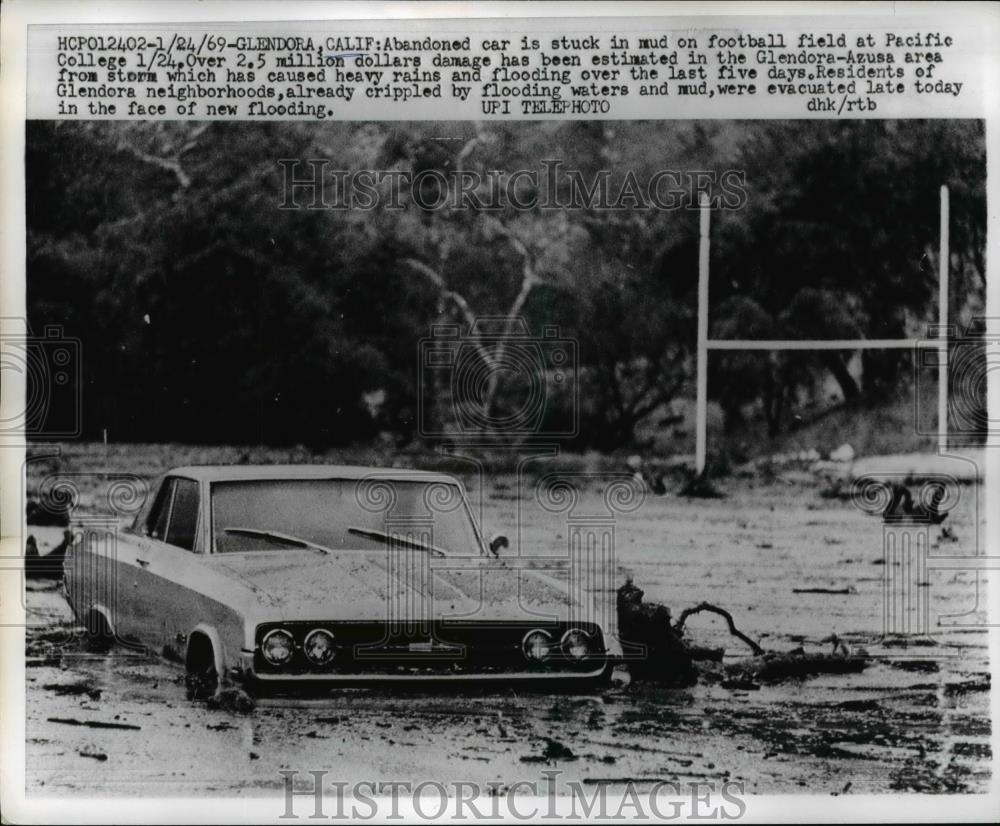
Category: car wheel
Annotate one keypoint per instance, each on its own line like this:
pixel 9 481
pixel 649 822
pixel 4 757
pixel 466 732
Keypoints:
pixel 201 678
pixel 98 638
pixel 201 683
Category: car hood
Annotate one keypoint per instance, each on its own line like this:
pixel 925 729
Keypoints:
pixel 365 585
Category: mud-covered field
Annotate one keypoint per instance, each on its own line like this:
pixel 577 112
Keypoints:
pixel 917 719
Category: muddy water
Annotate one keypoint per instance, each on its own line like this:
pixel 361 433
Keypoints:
pixel 917 719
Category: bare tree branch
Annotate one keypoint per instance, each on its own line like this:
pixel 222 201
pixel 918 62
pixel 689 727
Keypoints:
pixel 457 298
pixel 707 606
pixel 171 163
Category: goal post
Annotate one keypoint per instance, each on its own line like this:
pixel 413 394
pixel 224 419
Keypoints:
pixel 705 344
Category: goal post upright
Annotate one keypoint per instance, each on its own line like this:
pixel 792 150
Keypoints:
pixel 943 271
pixel 940 341
pixel 702 402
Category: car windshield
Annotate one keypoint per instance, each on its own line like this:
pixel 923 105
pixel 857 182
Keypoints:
pixel 337 514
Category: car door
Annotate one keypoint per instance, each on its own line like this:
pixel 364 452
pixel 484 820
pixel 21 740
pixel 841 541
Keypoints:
pixel 165 569
pixel 132 616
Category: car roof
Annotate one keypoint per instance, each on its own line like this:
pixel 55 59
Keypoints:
pixel 234 473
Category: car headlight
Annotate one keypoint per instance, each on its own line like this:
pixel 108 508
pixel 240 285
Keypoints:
pixel 319 647
pixel 277 646
pixel 576 644
pixel 537 644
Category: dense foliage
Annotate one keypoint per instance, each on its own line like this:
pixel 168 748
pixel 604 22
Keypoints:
pixel 208 313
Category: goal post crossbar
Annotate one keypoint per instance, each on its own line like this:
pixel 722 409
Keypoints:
pixel 705 343
pixel 821 344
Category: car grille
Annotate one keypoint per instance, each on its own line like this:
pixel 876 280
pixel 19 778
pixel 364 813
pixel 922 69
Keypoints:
pixel 442 649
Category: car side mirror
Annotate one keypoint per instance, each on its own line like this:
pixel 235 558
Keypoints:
pixel 497 543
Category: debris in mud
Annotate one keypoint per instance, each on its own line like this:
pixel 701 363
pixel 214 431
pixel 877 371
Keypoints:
pixel 981 751
pixel 684 762
pixel 232 699
pixel 837 591
pixel 223 726
pixel 904 641
pixel 73 689
pixel 670 658
pixel 858 705
pixel 100 756
pixel 72 721
pixel 554 750
pixel 901 507
pixel 775 666
pixel 947 535
pixel 648 625
pixel 980 684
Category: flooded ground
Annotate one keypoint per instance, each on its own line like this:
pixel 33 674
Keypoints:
pixel 792 567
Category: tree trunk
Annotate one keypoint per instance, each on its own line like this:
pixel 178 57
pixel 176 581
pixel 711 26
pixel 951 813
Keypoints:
pixel 848 386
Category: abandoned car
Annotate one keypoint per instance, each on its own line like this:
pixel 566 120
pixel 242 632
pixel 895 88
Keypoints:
pixel 289 577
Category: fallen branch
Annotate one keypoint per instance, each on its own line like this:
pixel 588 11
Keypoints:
pixel 72 721
pixel 707 606
pixel 776 667
pixel 848 590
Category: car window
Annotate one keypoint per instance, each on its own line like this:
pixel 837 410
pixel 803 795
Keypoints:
pixel 156 523
pixel 183 514
pixel 281 514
